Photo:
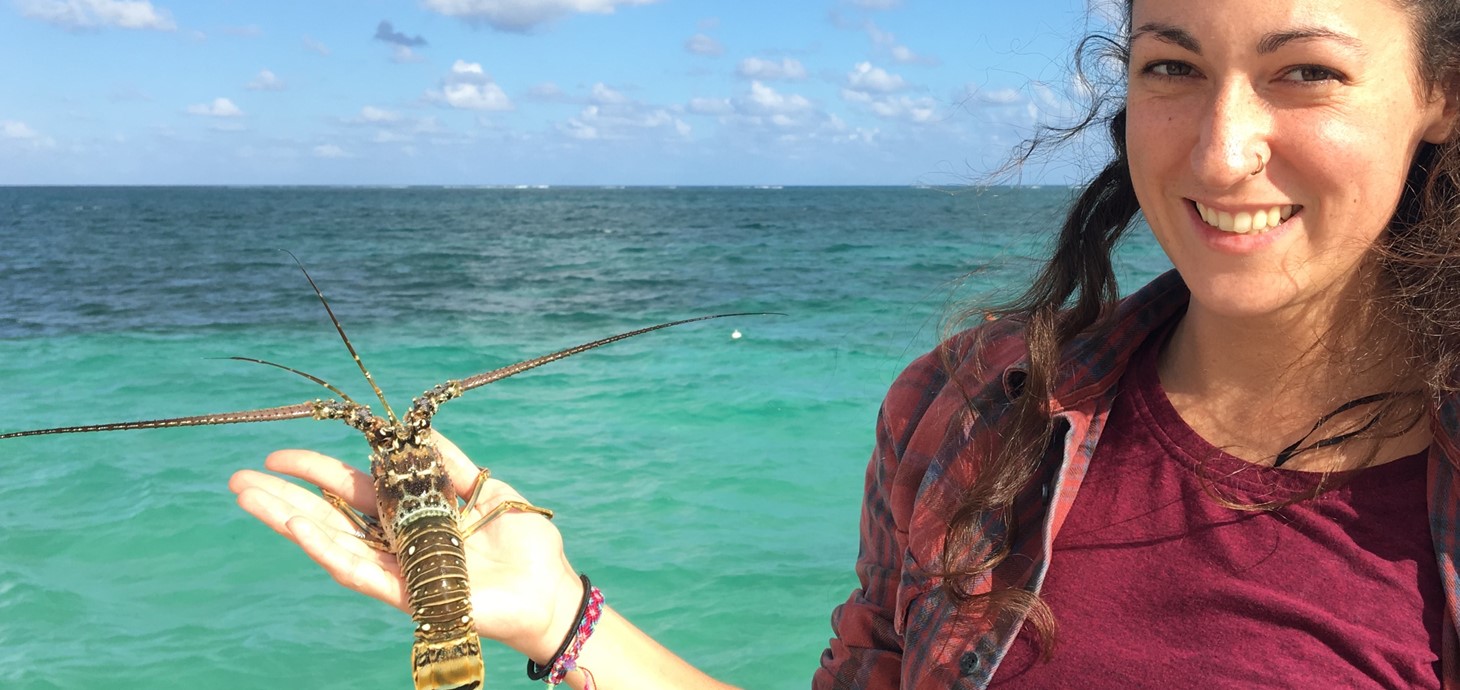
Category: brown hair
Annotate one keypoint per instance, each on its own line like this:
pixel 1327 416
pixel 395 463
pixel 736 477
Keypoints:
pixel 1417 297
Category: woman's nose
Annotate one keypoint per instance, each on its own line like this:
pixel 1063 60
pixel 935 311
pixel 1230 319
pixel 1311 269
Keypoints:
pixel 1233 142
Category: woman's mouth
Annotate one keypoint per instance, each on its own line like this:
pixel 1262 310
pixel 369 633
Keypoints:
pixel 1246 222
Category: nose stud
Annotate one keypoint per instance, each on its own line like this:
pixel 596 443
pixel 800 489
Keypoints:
pixel 1261 166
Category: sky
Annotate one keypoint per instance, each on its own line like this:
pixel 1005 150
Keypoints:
pixel 531 92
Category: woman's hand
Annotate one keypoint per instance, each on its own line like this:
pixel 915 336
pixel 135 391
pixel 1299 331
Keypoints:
pixel 524 592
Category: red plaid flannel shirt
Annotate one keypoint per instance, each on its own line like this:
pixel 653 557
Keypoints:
pixel 899 630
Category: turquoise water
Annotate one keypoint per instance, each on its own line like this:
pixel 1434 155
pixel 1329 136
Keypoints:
pixel 709 484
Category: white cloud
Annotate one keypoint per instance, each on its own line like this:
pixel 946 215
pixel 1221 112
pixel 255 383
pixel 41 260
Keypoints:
pixel 578 129
pixel 622 121
pixel 471 69
pixel 916 110
pixel 16 130
pixel 390 127
pixel 404 55
pixel 604 95
pixel 710 106
pixel 266 81
pixel 314 46
pixel 764 99
pixel 757 68
pixel 888 44
pixel 486 96
pixel 469 87
pixel 93 14
pixel 374 115
pixel 873 89
pixel 523 15
pixel 1004 96
pixel 865 77
pixel 702 44
pixel 329 151
pixel 220 107
pixel 547 91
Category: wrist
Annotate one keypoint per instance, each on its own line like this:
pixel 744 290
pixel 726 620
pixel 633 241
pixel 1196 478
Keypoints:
pixel 565 659
pixel 562 621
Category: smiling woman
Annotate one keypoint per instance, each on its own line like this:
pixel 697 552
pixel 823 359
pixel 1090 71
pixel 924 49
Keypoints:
pixel 1245 474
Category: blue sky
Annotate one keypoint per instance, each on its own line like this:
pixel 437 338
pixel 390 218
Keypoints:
pixel 560 92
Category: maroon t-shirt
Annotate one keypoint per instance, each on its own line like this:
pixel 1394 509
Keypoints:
pixel 1155 584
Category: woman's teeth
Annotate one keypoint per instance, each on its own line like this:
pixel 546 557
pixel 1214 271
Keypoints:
pixel 1243 223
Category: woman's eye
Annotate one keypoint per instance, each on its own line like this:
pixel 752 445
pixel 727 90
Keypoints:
pixel 1170 69
pixel 1311 74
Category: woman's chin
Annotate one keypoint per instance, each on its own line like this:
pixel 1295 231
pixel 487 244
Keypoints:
pixel 1243 296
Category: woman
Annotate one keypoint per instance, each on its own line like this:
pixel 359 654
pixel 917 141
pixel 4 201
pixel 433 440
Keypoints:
pixel 1264 442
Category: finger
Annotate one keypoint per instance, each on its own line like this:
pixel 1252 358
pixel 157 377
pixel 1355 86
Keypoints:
pixel 268 509
pixel 463 474
pixel 276 513
pixel 353 570
pixel 327 473
pixel 459 467
pixel 274 500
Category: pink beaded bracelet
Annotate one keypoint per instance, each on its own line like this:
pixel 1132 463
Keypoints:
pixel 569 660
pixel 566 659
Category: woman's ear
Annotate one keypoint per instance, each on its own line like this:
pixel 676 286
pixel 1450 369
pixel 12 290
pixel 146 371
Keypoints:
pixel 1447 105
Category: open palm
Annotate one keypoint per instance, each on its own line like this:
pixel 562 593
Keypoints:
pixel 520 579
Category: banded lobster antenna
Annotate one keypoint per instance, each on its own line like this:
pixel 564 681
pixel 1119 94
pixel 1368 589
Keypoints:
pixel 479 380
pixel 267 414
pixel 341 330
pixel 343 395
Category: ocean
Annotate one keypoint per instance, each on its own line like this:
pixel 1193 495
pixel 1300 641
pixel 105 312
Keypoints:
pixel 709 484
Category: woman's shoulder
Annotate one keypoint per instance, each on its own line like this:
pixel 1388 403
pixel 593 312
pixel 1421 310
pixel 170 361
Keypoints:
pixel 972 355
pixel 962 367
pixel 984 366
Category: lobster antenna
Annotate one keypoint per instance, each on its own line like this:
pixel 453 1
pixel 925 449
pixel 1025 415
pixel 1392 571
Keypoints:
pixel 390 413
pixel 343 395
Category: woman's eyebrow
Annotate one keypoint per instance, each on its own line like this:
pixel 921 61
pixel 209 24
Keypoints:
pixel 1271 42
pixel 1168 33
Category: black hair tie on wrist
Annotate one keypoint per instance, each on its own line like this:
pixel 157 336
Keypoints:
pixel 535 672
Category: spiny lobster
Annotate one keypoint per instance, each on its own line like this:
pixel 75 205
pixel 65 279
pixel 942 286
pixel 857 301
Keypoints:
pixel 419 518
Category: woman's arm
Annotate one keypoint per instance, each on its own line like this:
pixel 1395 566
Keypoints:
pixel 525 594
pixel 866 651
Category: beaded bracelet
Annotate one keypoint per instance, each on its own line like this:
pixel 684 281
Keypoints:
pixel 590 609
pixel 569 660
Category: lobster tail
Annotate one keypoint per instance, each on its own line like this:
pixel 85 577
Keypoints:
pixel 450 664
pixel 447 653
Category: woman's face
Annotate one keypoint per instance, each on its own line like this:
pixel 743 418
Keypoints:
pixel 1269 141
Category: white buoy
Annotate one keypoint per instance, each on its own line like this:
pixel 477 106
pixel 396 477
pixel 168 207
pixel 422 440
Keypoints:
pixel 735 335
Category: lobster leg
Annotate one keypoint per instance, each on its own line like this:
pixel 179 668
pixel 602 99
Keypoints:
pixel 367 528
pixel 476 497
